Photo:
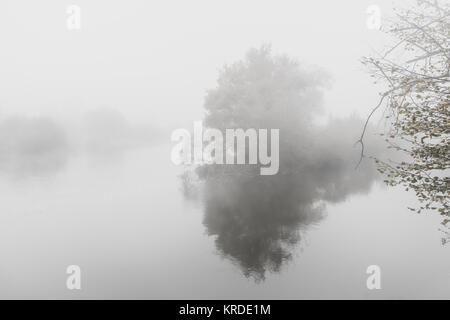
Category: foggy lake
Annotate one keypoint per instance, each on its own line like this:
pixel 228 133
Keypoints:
pixel 126 221
pixel 87 179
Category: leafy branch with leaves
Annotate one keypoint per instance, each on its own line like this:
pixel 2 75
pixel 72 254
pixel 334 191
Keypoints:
pixel 415 70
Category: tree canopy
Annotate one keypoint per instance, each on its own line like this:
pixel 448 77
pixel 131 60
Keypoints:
pixel 415 70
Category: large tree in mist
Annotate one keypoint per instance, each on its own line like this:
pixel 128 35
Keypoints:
pixel 415 70
pixel 257 220
pixel 265 90
pixel 268 91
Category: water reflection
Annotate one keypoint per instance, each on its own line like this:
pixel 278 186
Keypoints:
pixel 258 220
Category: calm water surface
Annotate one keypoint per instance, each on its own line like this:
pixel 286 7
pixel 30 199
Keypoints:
pixel 126 220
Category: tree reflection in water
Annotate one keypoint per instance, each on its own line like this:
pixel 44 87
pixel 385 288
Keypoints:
pixel 258 220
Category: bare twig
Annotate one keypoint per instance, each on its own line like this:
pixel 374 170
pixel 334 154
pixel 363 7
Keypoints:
pixel 361 139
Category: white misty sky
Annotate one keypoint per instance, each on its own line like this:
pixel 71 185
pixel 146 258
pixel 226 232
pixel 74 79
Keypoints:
pixel 153 60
